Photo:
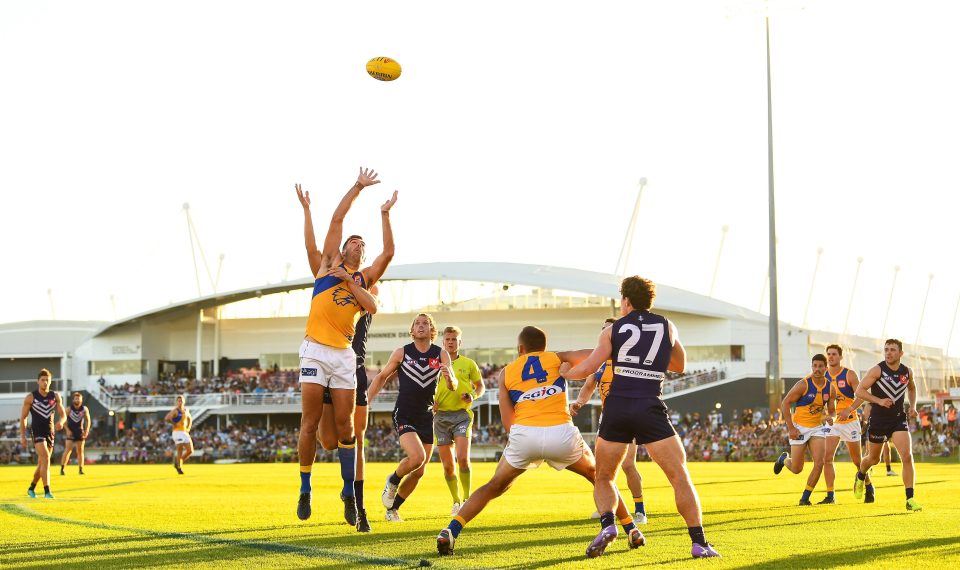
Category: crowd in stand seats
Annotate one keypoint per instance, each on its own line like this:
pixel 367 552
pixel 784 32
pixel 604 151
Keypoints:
pixel 243 381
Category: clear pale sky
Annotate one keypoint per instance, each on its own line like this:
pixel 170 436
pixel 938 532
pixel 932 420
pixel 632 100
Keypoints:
pixel 517 132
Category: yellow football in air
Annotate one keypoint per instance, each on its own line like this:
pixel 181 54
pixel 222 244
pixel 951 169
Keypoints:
pixel 383 68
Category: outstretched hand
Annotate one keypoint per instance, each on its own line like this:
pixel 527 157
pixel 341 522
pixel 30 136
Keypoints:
pixel 389 203
pixel 367 177
pixel 303 196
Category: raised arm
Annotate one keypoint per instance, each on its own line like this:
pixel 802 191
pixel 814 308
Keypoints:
pixel 381 378
pixel 24 412
pixel 314 256
pixel 373 273
pixel 506 405
pixel 331 244
pixel 591 363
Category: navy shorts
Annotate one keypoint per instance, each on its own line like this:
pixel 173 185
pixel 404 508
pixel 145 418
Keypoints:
pixel 422 424
pixel 362 385
pixel 43 436
pixel 882 430
pixel 640 420
pixel 75 435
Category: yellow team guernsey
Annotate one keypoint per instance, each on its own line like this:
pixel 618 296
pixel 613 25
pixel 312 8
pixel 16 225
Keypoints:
pixel 334 311
pixel 180 420
pixel 538 392
pixel 811 407
pixel 467 373
pixel 604 376
pixel 843 394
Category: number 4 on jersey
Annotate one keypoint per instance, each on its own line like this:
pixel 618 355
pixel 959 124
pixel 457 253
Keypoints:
pixel 533 369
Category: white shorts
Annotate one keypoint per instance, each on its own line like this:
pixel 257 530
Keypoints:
pixel 181 437
pixel 529 446
pixel 849 432
pixel 809 432
pixel 328 366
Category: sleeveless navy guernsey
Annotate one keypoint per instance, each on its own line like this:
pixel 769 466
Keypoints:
pixel 41 413
pixel 891 384
pixel 418 374
pixel 640 356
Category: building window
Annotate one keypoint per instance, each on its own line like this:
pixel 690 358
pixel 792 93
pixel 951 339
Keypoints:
pixel 715 353
pixel 115 367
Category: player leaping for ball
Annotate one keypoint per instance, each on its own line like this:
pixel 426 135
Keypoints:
pixel 327 359
pixel 533 408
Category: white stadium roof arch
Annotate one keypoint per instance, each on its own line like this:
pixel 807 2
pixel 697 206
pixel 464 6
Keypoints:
pixel 545 276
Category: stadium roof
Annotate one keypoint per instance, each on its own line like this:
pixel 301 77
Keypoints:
pixel 565 278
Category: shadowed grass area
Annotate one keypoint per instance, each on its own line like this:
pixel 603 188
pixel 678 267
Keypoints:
pixel 243 516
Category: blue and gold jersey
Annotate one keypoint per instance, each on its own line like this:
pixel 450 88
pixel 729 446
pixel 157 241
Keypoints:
pixel 334 311
pixel 810 408
pixel 843 394
pixel 604 376
pixel 538 392
pixel 180 420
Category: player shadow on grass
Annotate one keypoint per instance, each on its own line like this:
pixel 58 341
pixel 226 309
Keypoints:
pixel 851 556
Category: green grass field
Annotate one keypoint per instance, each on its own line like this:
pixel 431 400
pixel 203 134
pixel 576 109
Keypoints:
pixel 228 516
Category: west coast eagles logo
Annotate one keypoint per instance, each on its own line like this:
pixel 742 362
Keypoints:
pixel 342 297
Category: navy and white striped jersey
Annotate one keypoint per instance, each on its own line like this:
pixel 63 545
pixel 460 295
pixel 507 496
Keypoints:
pixel 418 372
pixel 640 356
pixel 41 412
pixel 892 384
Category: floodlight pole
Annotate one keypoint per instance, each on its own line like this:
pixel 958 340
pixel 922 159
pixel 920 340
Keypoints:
pixel 774 382
pixel 716 266
pixel 886 316
pixel 853 293
pixel 621 269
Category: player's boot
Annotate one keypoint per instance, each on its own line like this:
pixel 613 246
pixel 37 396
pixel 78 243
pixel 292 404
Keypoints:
pixel 445 542
pixel 868 498
pixel 81 470
pixel 778 465
pixel 303 507
pixel 636 538
pixel 827 501
pixel 393 516
pixel 455 509
pixel 362 524
pixel 31 493
pixel 61 470
pixel 858 486
pixel 804 503
pixel 639 518
pixel 913 505
pixel 389 494
pixel 49 495
pixel 891 472
pixel 604 539
pixel 707 551
pixel 349 510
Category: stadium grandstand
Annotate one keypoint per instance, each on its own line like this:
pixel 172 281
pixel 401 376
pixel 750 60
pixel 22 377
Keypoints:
pixel 234 356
